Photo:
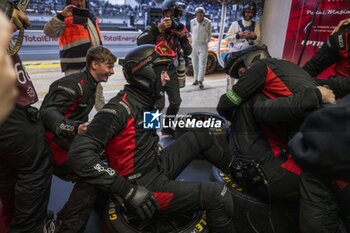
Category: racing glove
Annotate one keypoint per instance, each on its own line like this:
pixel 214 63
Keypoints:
pixel 142 200
pixel 227 104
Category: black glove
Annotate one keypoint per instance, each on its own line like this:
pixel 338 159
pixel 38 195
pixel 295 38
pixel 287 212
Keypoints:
pixel 142 201
pixel 225 107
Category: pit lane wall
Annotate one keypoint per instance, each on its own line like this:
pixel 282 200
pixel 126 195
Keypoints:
pixel 38 38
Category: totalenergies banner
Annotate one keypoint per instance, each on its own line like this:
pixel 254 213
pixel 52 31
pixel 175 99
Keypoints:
pixel 327 17
pixel 38 38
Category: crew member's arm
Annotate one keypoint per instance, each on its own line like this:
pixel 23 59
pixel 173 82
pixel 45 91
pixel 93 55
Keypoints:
pixel 339 85
pixel 285 112
pixel 288 112
pixel 323 140
pixel 250 83
pixel 58 103
pixel 326 56
pixel 84 160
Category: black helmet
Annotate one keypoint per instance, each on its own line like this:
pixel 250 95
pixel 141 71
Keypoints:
pixel 249 6
pixel 168 5
pixel 243 58
pixel 142 67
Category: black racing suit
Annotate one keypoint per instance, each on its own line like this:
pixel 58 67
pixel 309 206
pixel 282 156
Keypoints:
pixel 132 153
pixel 152 36
pixel 25 162
pixel 66 106
pixel 334 51
pixel 263 124
pixel 320 146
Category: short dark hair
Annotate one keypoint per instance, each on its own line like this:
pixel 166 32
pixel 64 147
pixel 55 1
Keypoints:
pixel 99 54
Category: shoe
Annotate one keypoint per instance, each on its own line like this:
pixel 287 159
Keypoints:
pixel 195 82
pixel 201 85
pixel 52 226
pixel 168 131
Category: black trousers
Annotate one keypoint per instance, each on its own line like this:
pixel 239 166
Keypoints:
pixel 182 197
pixel 324 204
pixel 75 214
pixel 25 172
pixel 283 184
pixel 172 89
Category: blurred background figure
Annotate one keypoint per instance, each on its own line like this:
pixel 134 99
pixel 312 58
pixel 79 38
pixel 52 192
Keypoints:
pixel 8 89
pixel 201 33
pixel 77 30
pixel 25 163
pixel 246 31
pixel 171 30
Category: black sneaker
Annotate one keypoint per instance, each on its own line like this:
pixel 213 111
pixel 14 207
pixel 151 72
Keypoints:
pixel 201 85
pixel 195 82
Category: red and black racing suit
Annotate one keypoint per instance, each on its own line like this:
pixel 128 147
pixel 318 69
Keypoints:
pixel 263 124
pixel 66 106
pixel 25 162
pixel 182 47
pixel 132 153
pixel 334 51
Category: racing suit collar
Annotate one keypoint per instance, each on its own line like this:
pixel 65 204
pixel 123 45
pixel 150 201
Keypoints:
pixel 142 97
pixel 92 82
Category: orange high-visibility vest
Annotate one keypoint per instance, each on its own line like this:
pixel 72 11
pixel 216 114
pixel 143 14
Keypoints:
pixel 74 44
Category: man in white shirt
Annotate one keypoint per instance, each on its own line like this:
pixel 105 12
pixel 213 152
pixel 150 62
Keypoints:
pixel 201 33
pixel 245 32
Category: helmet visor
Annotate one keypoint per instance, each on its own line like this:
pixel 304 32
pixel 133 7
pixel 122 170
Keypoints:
pixel 163 54
pixel 163 50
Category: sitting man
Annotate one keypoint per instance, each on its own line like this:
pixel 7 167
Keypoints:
pixel 245 32
pixel 133 152
pixel 268 104
pixel 65 111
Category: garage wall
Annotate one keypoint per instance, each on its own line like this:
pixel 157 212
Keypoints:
pixel 274 24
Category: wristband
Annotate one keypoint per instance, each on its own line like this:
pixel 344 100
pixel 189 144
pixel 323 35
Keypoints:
pixel 233 97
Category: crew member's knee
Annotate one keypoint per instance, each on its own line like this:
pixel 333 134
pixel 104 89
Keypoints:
pixel 217 200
